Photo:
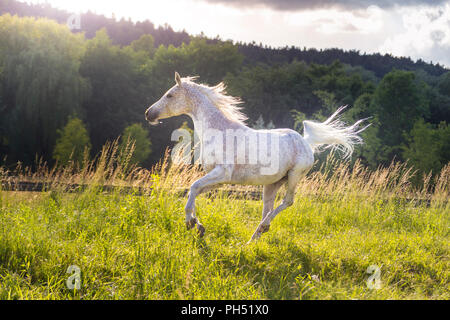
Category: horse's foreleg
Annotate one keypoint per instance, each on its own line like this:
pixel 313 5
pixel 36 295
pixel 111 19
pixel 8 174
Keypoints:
pixel 208 182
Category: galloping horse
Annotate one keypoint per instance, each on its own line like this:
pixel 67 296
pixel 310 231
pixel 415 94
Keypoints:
pixel 219 123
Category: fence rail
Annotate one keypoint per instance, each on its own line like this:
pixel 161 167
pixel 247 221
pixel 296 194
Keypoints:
pixel 30 186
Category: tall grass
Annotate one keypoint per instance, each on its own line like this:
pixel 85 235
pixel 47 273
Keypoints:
pixel 135 245
pixel 334 178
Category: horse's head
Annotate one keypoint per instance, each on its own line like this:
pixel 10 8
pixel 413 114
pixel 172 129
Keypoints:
pixel 172 103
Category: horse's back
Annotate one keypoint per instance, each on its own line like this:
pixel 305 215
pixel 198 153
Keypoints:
pixel 294 141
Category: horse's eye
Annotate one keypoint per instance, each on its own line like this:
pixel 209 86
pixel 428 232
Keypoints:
pixel 169 95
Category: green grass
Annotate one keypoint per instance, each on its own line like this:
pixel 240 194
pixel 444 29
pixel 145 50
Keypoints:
pixel 137 247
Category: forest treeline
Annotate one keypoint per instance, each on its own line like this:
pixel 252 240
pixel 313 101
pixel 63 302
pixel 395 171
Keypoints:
pixel 56 85
pixel 122 32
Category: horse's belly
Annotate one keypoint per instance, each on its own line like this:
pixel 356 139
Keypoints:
pixel 256 175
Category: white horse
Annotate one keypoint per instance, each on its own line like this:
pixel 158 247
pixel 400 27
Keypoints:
pixel 219 122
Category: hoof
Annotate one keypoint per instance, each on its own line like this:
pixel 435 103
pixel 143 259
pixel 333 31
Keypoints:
pixel 259 231
pixel 264 229
pixel 191 223
pixel 201 230
pixel 254 237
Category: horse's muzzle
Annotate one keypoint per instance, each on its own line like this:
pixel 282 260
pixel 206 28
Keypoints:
pixel 151 116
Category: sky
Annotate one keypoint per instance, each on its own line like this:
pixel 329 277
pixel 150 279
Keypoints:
pixel 411 28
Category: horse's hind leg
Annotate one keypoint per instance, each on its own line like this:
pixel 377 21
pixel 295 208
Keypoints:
pixel 269 194
pixel 294 175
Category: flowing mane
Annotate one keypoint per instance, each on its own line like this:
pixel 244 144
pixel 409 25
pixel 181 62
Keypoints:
pixel 228 105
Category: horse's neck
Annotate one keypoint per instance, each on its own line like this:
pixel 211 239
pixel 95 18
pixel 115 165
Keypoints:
pixel 206 116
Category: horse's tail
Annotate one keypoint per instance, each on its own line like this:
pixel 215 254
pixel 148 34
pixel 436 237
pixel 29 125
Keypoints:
pixel 333 133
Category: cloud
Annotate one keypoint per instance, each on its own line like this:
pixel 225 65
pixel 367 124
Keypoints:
pixel 298 5
pixel 332 21
pixel 426 35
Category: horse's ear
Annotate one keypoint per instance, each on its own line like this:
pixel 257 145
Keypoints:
pixel 178 78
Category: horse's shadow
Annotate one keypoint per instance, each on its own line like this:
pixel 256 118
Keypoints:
pixel 258 268
pixel 268 274
pixel 203 248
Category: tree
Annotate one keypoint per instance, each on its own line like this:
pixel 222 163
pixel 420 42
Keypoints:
pixel 398 103
pixel 41 84
pixel 73 143
pixel 428 146
pixel 137 135
pixel 444 84
pixel 119 88
pixel 145 43
pixel 210 61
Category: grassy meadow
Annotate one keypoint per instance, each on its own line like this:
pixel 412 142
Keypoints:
pixel 136 246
